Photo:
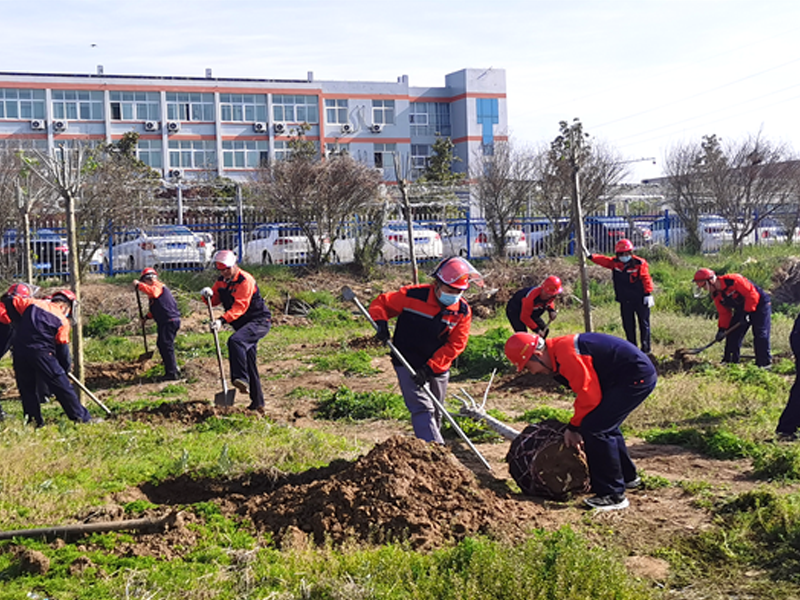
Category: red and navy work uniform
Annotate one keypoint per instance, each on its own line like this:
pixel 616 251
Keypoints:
pixel 41 352
pixel 426 334
pixel 610 378
pixel 164 311
pixel 525 310
pixel 247 313
pixel 6 331
pixel 632 282
pixel 742 301
pixel 789 422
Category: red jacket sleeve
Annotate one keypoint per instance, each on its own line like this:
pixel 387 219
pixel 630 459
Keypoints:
pixel 242 295
pixel 578 369
pixel 644 275
pixel 151 290
pixel 724 313
pixel 527 308
pixel 603 261
pixel 748 292
pixel 387 305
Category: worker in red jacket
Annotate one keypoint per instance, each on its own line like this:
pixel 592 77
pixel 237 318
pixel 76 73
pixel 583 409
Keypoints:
pixel 432 329
pixel 528 305
pixel 41 354
pixel 164 311
pixel 739 300
pixel 247 313
pixel 7 318
pixel 610 378
pixel 633 288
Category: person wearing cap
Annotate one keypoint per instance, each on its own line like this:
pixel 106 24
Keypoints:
pixel 738 300
pixel 432 329
pixel 7 318
pixel 633 288
pixel 164 311
pixel 41 354
pixel 610 378
pixel 248 315
pixel 526 307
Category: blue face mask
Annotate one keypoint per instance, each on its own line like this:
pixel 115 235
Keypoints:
pixel 625 258
pixel 448 299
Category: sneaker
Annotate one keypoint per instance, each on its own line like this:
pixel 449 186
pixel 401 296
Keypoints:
pixel 241 385
pixel 633 483
pixel 611 502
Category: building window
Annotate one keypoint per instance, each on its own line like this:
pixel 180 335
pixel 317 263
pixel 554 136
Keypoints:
pixel 295 109
pixel 248 154
pixel 192 154
pixel 248 108
pixel 78 105
pixel 282 150
pixel 15 144
pixel 135 106
pixel 21 104
pixel 383 155
pixel 149 152
pixel 336 112
pixel 420 153
pixel 190 107
pixel 488 115
pixel 383 112
pixel 430 118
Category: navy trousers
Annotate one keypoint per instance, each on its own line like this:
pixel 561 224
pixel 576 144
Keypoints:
pixel 760 321
pixel 44 367
pixel 165 343
pixel 243 356
pixel 789 421
pixel 631 311
pixel 610 466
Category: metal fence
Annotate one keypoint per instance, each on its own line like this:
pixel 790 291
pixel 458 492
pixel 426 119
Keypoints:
pixel 190 244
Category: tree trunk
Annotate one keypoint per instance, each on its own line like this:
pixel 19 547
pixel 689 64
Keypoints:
pixel 581 241
pixel 75 283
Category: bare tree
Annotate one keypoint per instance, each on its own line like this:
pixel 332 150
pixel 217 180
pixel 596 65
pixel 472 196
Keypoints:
pixel 743 181
pixel 316 195
pixel 505 180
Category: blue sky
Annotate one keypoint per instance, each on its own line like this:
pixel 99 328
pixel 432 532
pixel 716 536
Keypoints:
pixel 642 75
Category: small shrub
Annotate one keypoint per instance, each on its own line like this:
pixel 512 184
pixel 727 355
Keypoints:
pixel 358 362
pixel 716 443
pixel 102 325
pixel 344 403
pixel 329 317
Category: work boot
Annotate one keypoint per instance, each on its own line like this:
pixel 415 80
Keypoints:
pixel 241 385
pixel 610 502
pixel 633 483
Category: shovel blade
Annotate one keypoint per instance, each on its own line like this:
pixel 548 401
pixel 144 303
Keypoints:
pixel 145 356
pixel 225 398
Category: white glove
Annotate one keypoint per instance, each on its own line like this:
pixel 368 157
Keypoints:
pixel 206 292
pixel 216 324
pixel 649 302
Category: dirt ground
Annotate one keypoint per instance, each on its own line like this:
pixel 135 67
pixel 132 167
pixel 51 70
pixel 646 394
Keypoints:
pixel 402 488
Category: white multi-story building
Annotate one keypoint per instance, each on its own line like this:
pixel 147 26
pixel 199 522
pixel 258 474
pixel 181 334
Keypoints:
pixel 192 125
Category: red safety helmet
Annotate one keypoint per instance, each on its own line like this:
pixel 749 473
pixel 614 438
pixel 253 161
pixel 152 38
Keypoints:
pixel 520 347
pixel 23 290
pixel 552 286
pixel 703 275
pixel 624 245
pixel 458 273
pixel 224 259
pixel 149 272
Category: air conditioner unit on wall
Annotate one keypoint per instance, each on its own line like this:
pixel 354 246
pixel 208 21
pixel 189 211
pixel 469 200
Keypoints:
pixel 59 125
pixel 151 125
pixel 175 174
pixel 376 127
pixel 38 124
pixel 173 126
pixel 280 128
pixel 348 128
pixel 260 127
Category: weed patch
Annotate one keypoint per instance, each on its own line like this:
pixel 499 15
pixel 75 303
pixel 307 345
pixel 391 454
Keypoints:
pixel 344 403
pixel 357 362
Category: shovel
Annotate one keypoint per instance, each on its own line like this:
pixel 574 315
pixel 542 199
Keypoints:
pixel 350 296
pixel 147 354
pixel 226 396
pixel 79 383
pixel 712 342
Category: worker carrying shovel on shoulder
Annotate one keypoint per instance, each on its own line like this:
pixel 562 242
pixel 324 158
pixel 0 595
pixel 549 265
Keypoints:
pixel 164 311
pixel 432 329
pixel 247 313
pixel 610 377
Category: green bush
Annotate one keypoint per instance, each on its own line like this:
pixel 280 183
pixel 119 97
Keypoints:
pixel 716 443
pixel 345 404
pixel 101 325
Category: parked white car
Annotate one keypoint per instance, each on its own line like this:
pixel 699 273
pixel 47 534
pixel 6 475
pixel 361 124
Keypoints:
pixel 157 246
pixel 277 244
pixel 207 247
pixel 479 241
pixel 395 248
pixel 714 232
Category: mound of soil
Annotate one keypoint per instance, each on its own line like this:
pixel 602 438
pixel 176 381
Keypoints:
pixel 404 489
